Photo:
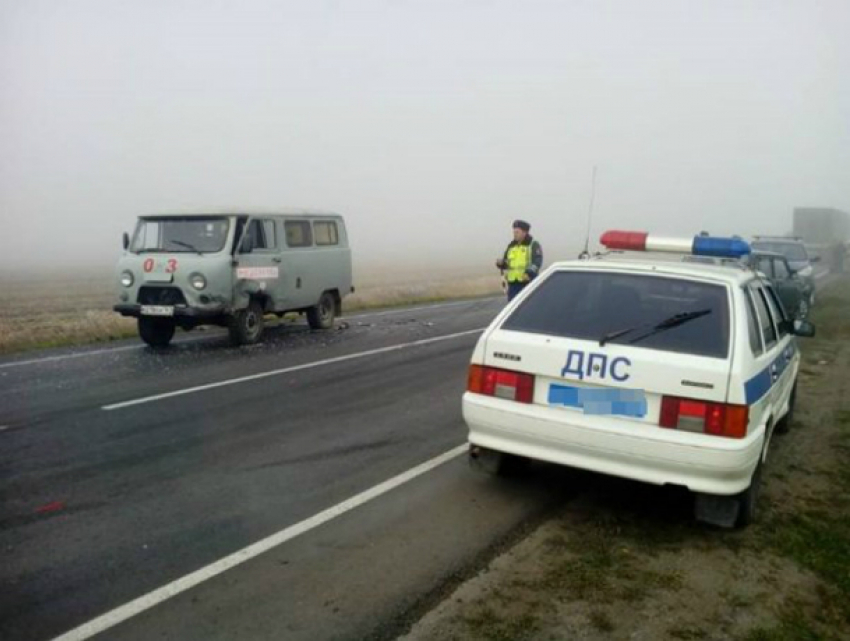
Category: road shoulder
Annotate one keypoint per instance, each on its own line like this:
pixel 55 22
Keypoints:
pixel 624 560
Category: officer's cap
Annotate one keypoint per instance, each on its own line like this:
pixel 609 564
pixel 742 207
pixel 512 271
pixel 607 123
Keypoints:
pixel 521 224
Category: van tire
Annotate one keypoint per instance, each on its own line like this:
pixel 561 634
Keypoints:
pixel 246 325
pixel 156 332
pixel 321 316
pixel 784 424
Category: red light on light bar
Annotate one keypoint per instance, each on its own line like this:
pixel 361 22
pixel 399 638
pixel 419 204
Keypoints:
pixel 630 240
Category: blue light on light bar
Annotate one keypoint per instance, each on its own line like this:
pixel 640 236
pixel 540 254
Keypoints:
pixel 720 247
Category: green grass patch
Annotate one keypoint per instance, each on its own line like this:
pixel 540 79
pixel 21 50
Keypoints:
pixel 489 625
pixel 794 625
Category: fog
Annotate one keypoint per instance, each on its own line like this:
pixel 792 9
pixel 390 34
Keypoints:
pixel 429 125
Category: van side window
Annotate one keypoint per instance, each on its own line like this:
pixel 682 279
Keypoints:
pixel 270 234
pixel 256 237
pixel 768 331
pixel 326 233
pixel 298 233
pixel 752 324
pixel 778 311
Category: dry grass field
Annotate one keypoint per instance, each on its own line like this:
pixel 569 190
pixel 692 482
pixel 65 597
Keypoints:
pixel 75 308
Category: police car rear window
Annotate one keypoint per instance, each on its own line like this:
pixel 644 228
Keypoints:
pixel 652 312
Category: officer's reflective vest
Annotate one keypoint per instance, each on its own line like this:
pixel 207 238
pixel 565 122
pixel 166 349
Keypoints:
pixel 518 259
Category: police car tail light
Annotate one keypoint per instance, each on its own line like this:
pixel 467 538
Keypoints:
pixel 718 419
pixel 501 383
pixel 697 246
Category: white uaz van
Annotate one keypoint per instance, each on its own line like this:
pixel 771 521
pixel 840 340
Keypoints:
pixel 231 269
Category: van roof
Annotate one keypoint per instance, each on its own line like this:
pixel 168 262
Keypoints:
pixel 300 213
pixel 731 273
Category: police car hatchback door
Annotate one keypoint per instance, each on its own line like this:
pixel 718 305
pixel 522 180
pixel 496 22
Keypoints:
pixel 607 346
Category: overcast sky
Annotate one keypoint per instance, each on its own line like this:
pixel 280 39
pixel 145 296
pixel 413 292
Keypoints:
pixel 429 125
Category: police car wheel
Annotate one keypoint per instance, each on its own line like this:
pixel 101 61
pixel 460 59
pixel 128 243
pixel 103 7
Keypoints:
pixel 156 332
pixel 322 315
pixel 748 499
pixel 246 325
pixel 784 424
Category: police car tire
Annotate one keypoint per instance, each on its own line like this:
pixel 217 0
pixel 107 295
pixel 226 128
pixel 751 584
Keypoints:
pixel 321 316
pixel 156 332
pixel 748 500
pixel 784 424
pixel 246 325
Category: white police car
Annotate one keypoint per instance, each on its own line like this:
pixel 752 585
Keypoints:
pixel 662 371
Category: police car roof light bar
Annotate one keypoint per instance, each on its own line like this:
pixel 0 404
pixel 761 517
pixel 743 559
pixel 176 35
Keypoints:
pixel 698 245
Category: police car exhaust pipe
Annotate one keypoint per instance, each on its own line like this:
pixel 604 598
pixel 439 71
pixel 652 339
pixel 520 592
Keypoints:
pixel 483 460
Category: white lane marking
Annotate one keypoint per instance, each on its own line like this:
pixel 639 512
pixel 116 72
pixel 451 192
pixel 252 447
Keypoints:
pixel 151 599
pixel 108 350
pixel 287 370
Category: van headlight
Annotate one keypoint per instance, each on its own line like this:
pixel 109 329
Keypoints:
pixel 127 279
pixel 198 281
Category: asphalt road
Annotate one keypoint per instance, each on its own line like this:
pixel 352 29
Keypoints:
pixel 125 469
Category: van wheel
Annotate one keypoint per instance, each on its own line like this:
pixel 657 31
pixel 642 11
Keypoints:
pixel 156 332
pixel 748 499
pixel 246 325
pixel 322 315
pixel 783 425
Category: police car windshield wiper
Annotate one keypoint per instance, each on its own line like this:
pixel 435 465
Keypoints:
pixel 187 246
pixel 671 322
pixel 616 334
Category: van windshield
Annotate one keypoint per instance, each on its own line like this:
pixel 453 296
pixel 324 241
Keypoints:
pixel 652 312
pixel 193 234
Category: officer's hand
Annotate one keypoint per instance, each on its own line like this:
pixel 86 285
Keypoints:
pixel 525 278
pixel 500 263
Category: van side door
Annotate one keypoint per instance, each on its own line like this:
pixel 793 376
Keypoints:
pixel 259 259
pixel 335 256
pixel 298 269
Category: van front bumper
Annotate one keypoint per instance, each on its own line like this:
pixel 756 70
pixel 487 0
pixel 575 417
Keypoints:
pixel 180 311
pixel 637 450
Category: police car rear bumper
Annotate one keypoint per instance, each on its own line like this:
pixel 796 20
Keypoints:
pixel 180 311
pixel 708 464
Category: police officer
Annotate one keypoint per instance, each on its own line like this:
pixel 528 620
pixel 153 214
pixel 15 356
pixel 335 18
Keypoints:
pixel 522 260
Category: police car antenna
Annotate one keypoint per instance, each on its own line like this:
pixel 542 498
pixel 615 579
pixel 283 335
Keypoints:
pixel 586 252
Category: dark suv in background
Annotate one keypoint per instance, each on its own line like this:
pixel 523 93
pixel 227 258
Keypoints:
pixel 795 253
pixel 790 287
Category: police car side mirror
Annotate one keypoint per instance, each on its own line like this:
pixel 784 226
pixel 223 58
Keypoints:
pixel 804 328
pixel 126 240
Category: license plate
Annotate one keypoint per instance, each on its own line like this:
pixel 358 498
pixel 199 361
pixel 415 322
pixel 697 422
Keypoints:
pixel 157 310
pixel 619 402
